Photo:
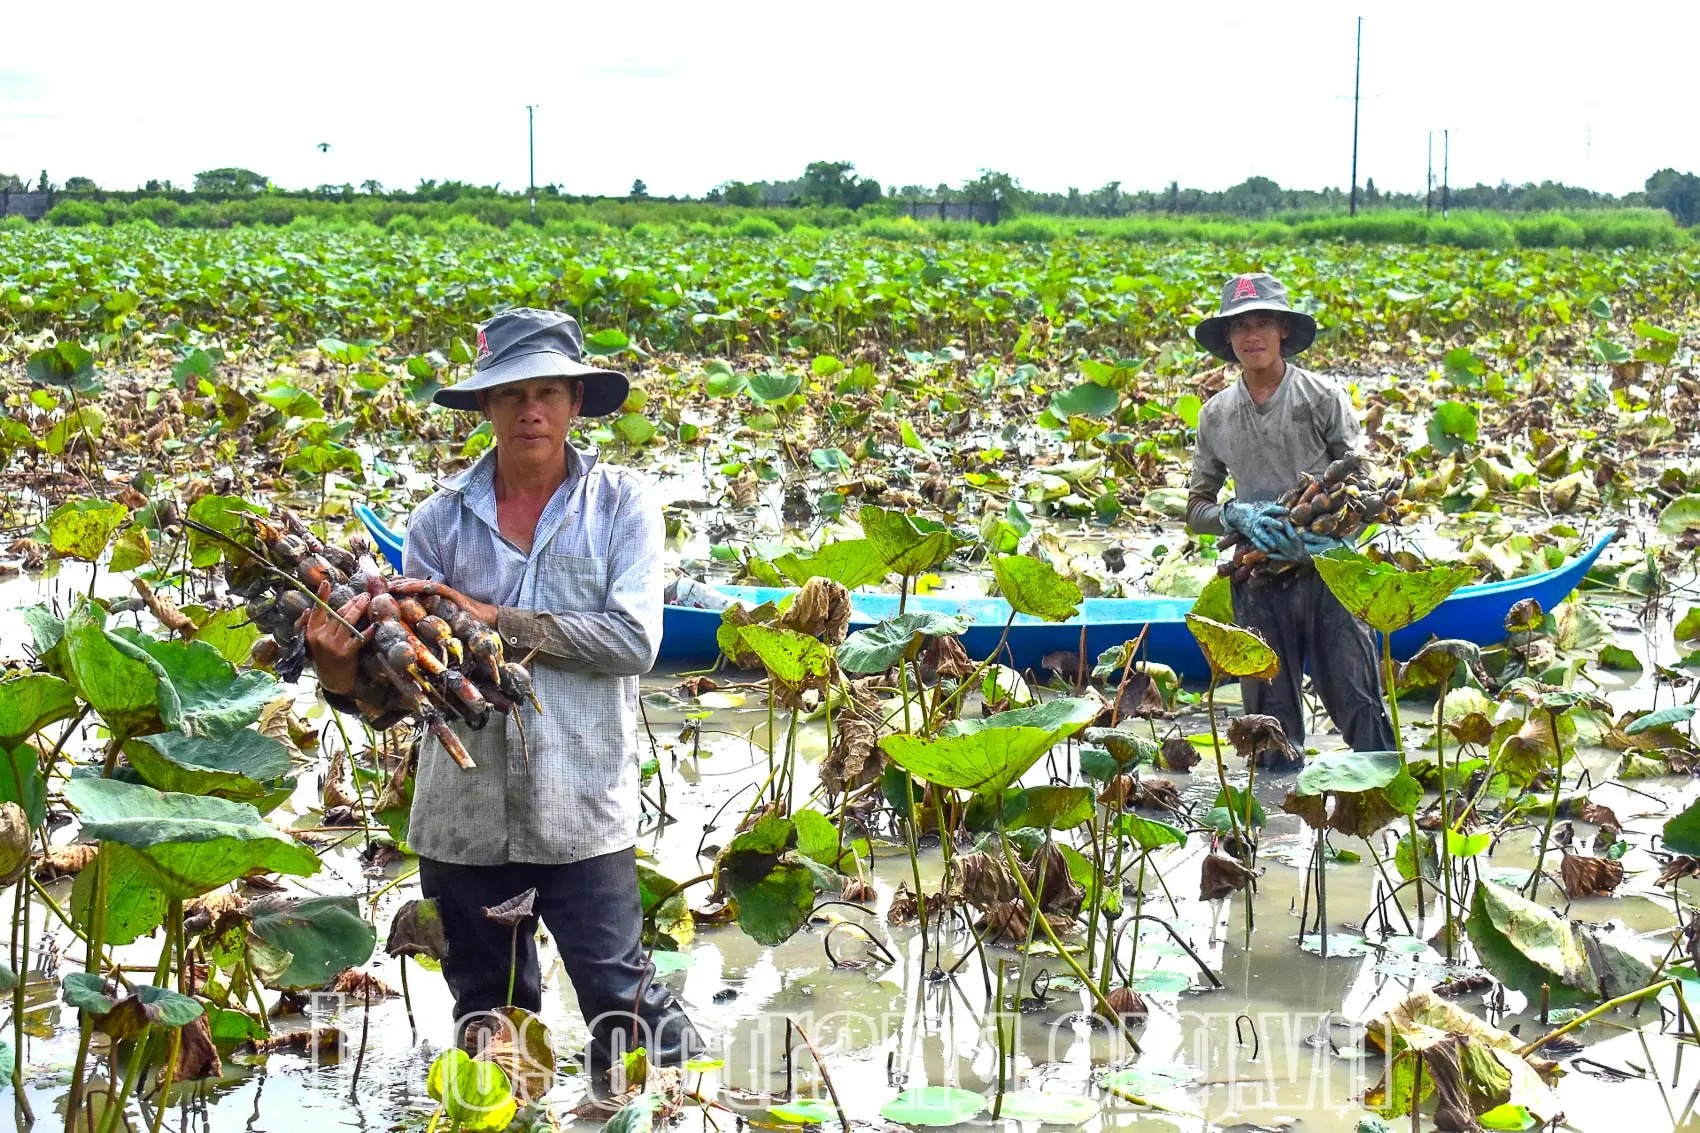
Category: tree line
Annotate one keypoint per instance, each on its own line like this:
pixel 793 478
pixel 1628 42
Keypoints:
pixel 836 184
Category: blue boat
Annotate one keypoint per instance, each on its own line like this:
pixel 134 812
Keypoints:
pixel 1472 613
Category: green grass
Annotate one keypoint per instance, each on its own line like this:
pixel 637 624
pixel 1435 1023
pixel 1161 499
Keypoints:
pixel 1599 228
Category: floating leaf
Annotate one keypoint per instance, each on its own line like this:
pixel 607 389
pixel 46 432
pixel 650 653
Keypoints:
pixel 1051 1109
pixel 1680 515
pixel 1136 1083
pixel 933 1105
pixel 1034 587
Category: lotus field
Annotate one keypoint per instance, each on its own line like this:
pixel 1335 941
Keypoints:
pixel 895 882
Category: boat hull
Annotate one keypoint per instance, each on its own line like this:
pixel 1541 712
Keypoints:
pixel 1472 613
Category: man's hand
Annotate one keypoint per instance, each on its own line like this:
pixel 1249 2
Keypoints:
pixel 424 587
pixel 334 650
pixel 1315 544
pixel 1265 526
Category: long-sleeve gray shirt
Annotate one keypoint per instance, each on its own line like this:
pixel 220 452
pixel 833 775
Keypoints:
pixel 588 597
pixel 1305 424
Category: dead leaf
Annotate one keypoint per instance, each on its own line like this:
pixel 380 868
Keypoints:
pixel 514 910
pixel 1590 877
pixel 359 985
pixel 519 1042
pixel 1140 698
pixel 1048 879
pixel 945 657
pixel 196 1056
pixel 164 609
pixel 1473 728
pixel 986 879
pixel 694 686
pixel 1678 868
pixel 904 907
pixel 1222 875
pixel 417 930
pixel 1600 816
pixel 820 609
pixel 1178 754
pixel 857 891
pixel 324 1043
pixel 66 861
pixel 855 759
pixel 1262 738
pixel 1158 794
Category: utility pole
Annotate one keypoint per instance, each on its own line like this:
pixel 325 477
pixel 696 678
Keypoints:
pixel 1428 185
pixel 1445 169
pixel 1357 74
pixel 531 152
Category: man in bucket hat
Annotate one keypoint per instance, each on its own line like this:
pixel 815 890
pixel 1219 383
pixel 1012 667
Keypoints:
pixel 1276 422
pixel 562 555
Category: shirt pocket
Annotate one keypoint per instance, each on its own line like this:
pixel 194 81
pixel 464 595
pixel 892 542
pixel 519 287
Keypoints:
pixel 572 582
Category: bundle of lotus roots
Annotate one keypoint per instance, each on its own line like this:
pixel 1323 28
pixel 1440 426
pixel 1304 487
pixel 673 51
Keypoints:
pixel 1341 503
pixel 424 657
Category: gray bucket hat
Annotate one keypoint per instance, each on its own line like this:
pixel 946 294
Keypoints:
pixel 1256 292
pixel 527 343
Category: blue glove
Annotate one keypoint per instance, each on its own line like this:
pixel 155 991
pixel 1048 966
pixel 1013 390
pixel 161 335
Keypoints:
pixel 1265 526
pixel 1315 544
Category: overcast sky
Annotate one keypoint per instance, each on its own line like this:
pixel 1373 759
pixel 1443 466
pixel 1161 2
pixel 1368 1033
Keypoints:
pixel 688 94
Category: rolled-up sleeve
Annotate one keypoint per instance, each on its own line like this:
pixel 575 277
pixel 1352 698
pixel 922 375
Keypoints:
pixel 1203 513
pixel 625 637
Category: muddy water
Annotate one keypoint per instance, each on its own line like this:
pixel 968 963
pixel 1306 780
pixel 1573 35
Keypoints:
pixel 1280 1042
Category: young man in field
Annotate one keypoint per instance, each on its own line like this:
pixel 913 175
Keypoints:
pixel 1276 422
pixel 562 555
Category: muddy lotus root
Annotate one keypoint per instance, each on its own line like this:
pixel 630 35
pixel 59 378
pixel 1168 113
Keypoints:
pixel 425 658
pixel 1342 502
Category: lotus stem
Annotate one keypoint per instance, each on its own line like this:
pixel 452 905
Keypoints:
pixel 1399 746
pixel 832 1090
pixel 1450 880
pixel 1216 748
pixel 1552 814
pixel 1003 1066
pixel 21 955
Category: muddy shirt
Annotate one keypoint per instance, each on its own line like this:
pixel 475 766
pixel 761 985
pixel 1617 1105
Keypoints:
pixel 588 598
pixel 1306 423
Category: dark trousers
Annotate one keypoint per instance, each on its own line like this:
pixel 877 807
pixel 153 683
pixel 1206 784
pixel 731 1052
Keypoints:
pixel 1308 629
pixel 595 913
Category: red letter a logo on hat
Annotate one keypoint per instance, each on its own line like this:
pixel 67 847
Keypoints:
pixel 1244 289
pixel 484 347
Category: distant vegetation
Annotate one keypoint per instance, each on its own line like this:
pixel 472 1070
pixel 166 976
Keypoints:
pixel 831 195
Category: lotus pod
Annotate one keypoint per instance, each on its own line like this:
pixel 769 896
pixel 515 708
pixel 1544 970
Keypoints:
pixel 1048 877
pixel 1126 1002
pixel 14 843
pixel 986 880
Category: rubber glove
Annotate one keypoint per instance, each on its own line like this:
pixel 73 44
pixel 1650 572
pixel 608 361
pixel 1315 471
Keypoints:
pixel 1315 544
pixel 1264 525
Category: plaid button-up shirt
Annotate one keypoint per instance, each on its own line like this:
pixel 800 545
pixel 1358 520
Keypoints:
pixel 588 598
